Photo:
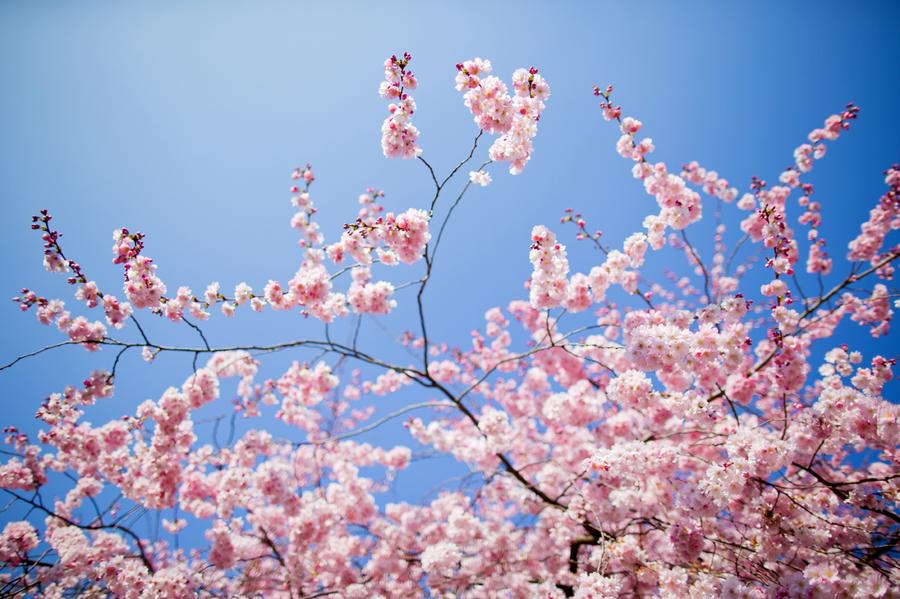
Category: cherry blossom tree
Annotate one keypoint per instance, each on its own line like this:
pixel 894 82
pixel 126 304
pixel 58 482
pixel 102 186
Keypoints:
pixel 679 438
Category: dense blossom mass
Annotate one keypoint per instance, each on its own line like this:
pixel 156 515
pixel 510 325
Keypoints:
pixel 514 117
pixel 704 435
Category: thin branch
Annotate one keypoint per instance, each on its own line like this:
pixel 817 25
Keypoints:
pixel 377 423
pixel 36 353
pixel 465 160
pixel 700 264
pixel 196 328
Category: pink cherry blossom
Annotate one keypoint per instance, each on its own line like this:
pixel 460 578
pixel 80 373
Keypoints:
pixel 480 178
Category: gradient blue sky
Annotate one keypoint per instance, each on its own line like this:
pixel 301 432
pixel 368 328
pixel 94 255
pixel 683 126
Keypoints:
pixel 184 120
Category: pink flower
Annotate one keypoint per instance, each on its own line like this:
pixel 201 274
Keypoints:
pixel 882 219
pixel 366 297
pixel 82 331
pixel 89 294
pixel 548 280
pixel 242 293
pixel 596 586
pixel 143 288
pixel 496 112
pixel 407 234
pixel 441 559
pixel 578 293
pixel 480 178
pixel 116 313
pixel 16 540
pixel 631 388
pixel 398 135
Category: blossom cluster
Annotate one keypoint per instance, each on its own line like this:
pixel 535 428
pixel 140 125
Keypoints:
pixel 679 205
pixel 514 117
pixel 398 134
pixel 883 218
pixel 78 328
pixel 709 180
pixel 551 288
pixel 817 260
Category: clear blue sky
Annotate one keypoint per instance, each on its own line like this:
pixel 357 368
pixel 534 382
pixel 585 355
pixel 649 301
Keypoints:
pixel 184 121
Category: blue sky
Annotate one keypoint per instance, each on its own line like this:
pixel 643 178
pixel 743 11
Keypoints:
pixel 184 122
